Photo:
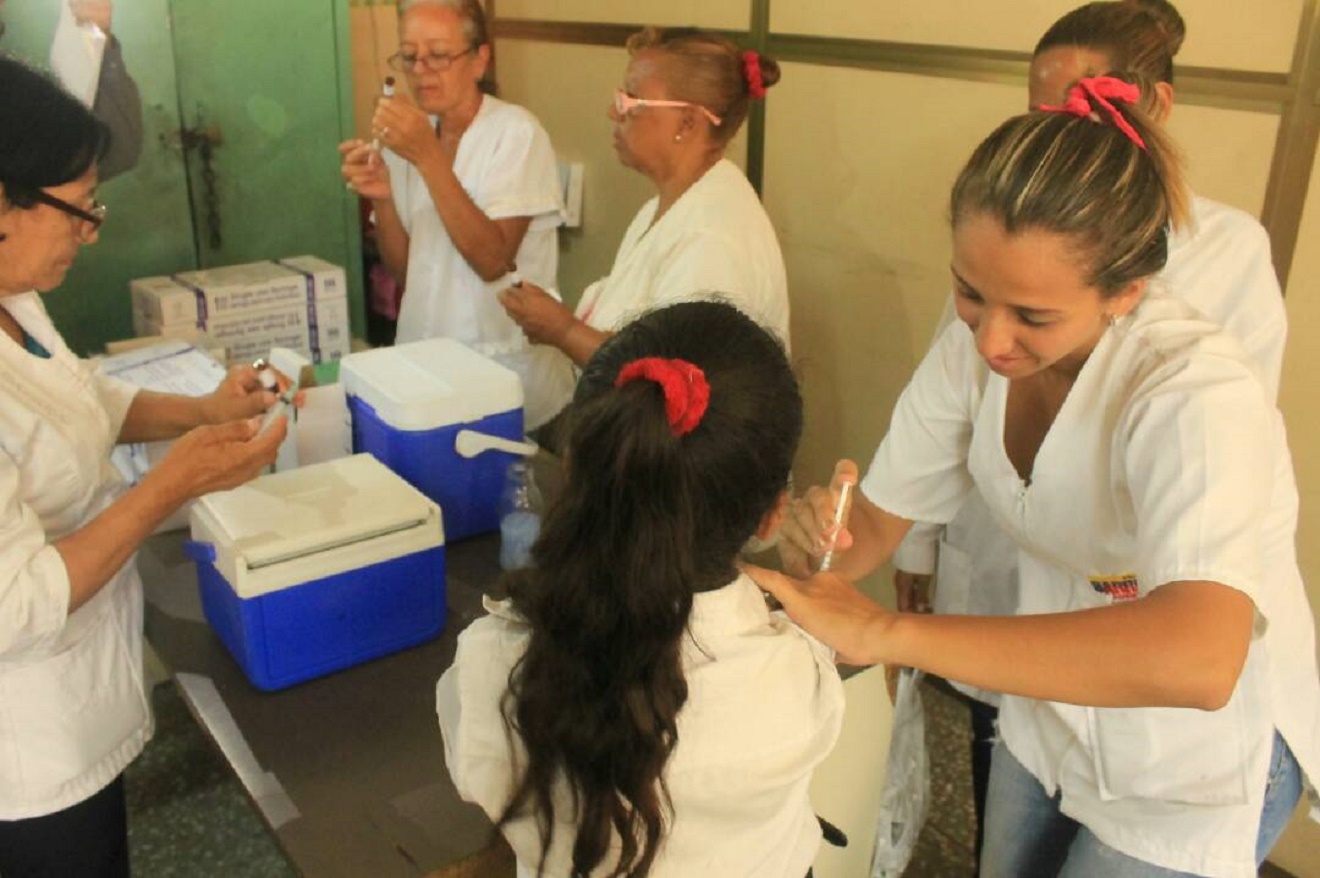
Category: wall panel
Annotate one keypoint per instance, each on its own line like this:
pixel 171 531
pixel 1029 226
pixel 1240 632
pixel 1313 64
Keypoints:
pixel 859 195
pixel 1228 152
pixel 725 14
pixel 1237 36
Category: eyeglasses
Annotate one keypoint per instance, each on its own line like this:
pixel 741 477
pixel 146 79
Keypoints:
pixel 436 62
pixel 625 103
pixel 94 215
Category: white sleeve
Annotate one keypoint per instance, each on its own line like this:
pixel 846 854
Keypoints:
pixel 34 583
pixel 919 551
pixel 919 472
pixel 1260 321
pixel 1197 453
pixel 522 177
pixel 116 397
pixel 400 187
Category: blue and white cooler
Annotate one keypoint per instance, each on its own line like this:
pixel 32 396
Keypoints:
pixel 447 419
pixel 312 570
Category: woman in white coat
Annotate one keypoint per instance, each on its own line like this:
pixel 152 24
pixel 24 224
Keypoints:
pixel 1219 263
pixel 705 232
pixel 1159 678
pixel 73 708
pixel 468 189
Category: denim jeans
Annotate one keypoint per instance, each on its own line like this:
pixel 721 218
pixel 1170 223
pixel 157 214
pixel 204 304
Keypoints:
pixel 1026 834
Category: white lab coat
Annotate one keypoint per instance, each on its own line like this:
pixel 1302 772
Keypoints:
pixel 716 239
pixel 507 167
pixel 1167 462
pixel 73 709
pixel 1221 265
pixel 765 706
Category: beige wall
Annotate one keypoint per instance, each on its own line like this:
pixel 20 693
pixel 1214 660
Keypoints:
pixel 1299 396
pixel 1244 36
pixel 727 14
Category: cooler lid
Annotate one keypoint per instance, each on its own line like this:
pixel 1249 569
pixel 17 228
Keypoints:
pixel 424 385
pixel 303 511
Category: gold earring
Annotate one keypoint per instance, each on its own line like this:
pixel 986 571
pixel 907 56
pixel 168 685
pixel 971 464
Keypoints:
pixel 678 138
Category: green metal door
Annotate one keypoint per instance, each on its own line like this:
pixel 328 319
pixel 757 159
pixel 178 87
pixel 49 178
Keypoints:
pixel 273 78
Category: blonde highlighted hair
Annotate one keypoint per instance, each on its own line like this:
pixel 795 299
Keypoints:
pixel 1084 178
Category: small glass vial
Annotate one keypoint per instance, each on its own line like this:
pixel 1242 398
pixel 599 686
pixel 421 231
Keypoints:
pixel 520 516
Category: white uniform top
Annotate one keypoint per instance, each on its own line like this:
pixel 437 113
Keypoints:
pixel 73 711
pixel 1221 265
pixel 764 708
pixel 1166 462
pixel 716 239
pixel 507 166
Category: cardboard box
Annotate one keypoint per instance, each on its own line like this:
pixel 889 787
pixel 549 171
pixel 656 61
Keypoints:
pixel 327 279
pixel 162 301
pixel 233 288
pixel 319 332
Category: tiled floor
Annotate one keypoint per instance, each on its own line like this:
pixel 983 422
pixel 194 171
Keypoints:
pixel 188 817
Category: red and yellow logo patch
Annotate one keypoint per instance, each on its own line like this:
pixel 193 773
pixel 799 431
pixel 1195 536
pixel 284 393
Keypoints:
pixel 1119 588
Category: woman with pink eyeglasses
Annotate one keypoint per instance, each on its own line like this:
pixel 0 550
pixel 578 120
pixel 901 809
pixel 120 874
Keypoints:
pixel 705 232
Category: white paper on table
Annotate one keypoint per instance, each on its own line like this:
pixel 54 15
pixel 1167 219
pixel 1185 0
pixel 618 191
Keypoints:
pixel 75 55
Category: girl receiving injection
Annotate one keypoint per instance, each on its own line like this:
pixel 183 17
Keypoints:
pixel 634 709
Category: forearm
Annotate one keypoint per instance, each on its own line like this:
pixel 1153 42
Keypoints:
pixel 154 416
pixel 94 553
pixel 876 535
pixel 391 239
pixel 478 238
pixel 580 342
pixel 1181 646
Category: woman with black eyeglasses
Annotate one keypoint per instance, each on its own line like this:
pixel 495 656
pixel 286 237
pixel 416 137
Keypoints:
pixel 464 187
pixel 73 707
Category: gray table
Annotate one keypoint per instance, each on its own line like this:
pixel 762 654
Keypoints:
pixel 347 770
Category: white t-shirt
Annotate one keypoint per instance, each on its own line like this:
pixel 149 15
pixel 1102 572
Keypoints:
pixel 1221 265
pixel 716 239
pixel 73 708
pixel 764 708
pixel 507 167
pixel 1167 462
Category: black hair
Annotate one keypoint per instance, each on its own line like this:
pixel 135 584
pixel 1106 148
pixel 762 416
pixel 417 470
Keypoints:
pixel 47 137
pixel 645 519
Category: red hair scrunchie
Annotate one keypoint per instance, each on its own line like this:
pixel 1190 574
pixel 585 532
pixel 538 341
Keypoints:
pixel 1093 90
pixel 752 73
pixel 687 393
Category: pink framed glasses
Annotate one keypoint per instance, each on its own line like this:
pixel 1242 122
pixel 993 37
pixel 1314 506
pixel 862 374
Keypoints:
pixel 625 103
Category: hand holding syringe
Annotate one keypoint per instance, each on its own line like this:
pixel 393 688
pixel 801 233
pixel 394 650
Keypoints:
pixel 386 91
pixel 840 520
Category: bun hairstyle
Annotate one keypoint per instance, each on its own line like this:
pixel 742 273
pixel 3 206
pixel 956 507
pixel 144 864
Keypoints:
pixel 1100 172
pixel 47 136
pixel 1137 36
pixel 665 485
pixel 707 69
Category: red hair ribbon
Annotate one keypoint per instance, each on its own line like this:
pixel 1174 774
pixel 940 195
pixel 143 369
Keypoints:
pixel 752 73
pixel 1093 90
pixel 687 394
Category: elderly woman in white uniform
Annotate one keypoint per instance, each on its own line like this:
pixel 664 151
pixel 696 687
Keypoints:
pixel 1160 678
pixel 73 708
pixel 705 233
pixel 1219 263
pixel 468 190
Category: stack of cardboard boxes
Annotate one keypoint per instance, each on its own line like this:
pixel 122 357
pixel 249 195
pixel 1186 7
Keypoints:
pixel 298 303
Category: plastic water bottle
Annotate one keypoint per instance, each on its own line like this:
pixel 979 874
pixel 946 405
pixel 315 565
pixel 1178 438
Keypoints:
pixel 520 516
